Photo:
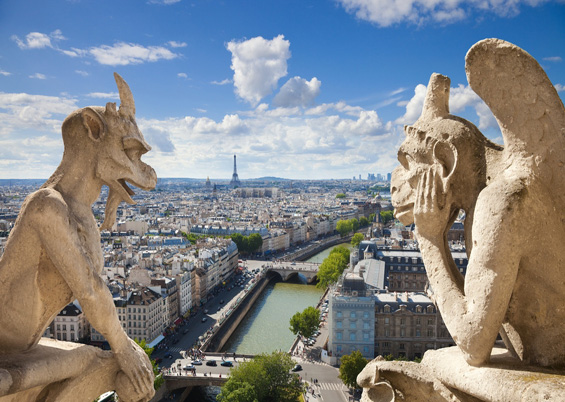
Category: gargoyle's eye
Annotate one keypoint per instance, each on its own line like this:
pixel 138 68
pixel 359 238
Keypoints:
pixel 403 158
pixel 134 148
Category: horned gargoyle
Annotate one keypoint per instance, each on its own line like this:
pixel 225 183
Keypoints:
pixel 514 200
pixel 53 256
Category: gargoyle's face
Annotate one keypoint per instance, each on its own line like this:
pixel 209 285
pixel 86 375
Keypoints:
pixel 120 161
pixel 415 158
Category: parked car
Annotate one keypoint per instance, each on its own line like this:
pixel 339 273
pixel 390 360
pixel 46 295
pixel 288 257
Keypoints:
pixel 204 319
pixel 169 355
pixel 297 367
pixel 211 363
pixel 197 362
pixel 189 367
pixel 227 364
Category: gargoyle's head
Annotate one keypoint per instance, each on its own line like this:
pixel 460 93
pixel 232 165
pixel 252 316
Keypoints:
pixel 109 140
pixel 451 144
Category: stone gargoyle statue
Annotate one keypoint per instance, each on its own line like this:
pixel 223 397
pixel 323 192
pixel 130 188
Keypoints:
pixel 53 256
pixel 514 203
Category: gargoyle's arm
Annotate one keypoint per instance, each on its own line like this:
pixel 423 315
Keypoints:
pixel 474 315
pixel 62 246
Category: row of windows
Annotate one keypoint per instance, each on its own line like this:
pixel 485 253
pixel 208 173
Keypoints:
pixel 402 321
pixel 352 314
pixel 417 333
pixel 353 336
pixel 353 325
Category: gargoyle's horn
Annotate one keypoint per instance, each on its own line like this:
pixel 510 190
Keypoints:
pixel 127 104
pixel 436 104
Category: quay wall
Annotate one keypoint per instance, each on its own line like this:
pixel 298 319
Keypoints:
pixel 223 333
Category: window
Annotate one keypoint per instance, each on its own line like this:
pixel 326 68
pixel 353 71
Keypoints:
pixel 430 332
pixel 353 314
pixel 418 333
pixel 402 332
pixel 366 325
pixel 365 350
pixel 365 336
pixel 430 321
pixel 338 349
pixel 387 332
pixel 339 324
pixel 365 314
pixel 339 336
pixel 387 320
pixel 387 308
pixel 339 314
pixel 418 321
pixel 401 346
pixel 65 328
pixel 352 325
pixel 352 336
pixel 402 321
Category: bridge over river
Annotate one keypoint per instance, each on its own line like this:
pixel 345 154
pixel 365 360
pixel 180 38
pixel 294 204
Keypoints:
pixel 287 269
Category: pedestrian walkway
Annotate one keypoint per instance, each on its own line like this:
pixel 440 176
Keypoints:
pixel 332 386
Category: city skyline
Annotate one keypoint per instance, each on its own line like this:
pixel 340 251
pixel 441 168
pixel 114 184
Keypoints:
pixel 300 90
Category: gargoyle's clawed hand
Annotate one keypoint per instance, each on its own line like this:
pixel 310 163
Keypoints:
pixel 137 368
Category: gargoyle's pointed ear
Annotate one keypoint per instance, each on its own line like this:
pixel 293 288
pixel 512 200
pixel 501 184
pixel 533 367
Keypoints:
pixel 94 123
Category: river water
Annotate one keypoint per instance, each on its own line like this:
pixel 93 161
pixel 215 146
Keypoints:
pixel 265 328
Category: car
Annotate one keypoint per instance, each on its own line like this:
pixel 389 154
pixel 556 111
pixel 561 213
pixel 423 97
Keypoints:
pixel 197 362
pixel 205 311
pixel 204 319
pixel 211 363
pixel 189 367
pixel 227 363
pixel 222 301
pixel 297 367
pixel 185 331
pixel 169 355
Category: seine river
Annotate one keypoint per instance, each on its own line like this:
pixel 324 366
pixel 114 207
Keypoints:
pixel 265 328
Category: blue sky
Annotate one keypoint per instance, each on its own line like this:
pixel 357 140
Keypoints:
pixel 307 89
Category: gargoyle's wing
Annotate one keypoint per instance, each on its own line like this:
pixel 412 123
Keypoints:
pixel 529 112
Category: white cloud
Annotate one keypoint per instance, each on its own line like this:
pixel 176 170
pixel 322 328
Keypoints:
pixel 122 54
pixel 460 98
pixel 560 87
pixel 223 82
pixel 38 76
pixel 201 110
pixel 385 13
pixel 33 40
pixel 104 95
pixel 21 111
pixel 258 64
pixel 5 73
pixel 83 73
pixel 298 92
pixel 553 58
pixel 182 75
pixel 176 44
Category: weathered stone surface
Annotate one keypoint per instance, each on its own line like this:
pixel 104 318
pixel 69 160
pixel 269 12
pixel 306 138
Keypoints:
pixel 53 257
pixel 514 201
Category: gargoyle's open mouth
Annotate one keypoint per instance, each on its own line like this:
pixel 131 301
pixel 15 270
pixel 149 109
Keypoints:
pixel 128 192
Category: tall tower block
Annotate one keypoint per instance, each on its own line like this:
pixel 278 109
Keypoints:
pixel 234 178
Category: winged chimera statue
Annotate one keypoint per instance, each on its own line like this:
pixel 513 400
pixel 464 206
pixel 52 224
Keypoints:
pixel 514 200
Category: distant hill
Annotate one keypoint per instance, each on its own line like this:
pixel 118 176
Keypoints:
pixel 268 178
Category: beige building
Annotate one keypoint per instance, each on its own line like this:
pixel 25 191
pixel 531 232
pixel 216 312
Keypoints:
pixel 70 324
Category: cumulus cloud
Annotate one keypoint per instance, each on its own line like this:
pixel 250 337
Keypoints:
pixel 414 106
pixel 298 92
pixel 33 40
pixel 158 138
pixel 5 73
pixel 385 13
pixel 122 54
pixel 560 87
pixel 258 64
pixel 38 76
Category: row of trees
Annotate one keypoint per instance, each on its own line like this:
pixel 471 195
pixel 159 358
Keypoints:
pixel 266 378
pixel 332 266
pixel 247 244
pixel 344 227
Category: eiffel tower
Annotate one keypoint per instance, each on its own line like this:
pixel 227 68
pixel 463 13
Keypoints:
pixel 234 178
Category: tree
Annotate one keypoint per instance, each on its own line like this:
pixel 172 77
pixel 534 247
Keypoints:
pixel 255 242
pixel 159 380
pixel 372 217
pixel 340 195
pixel 363 222
pixel 344 227
pixel 305 323
pixel 268 378
pixel 354 224
pixel 387 216
pixel 351 366
pixel 333 266
pixel 357 239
